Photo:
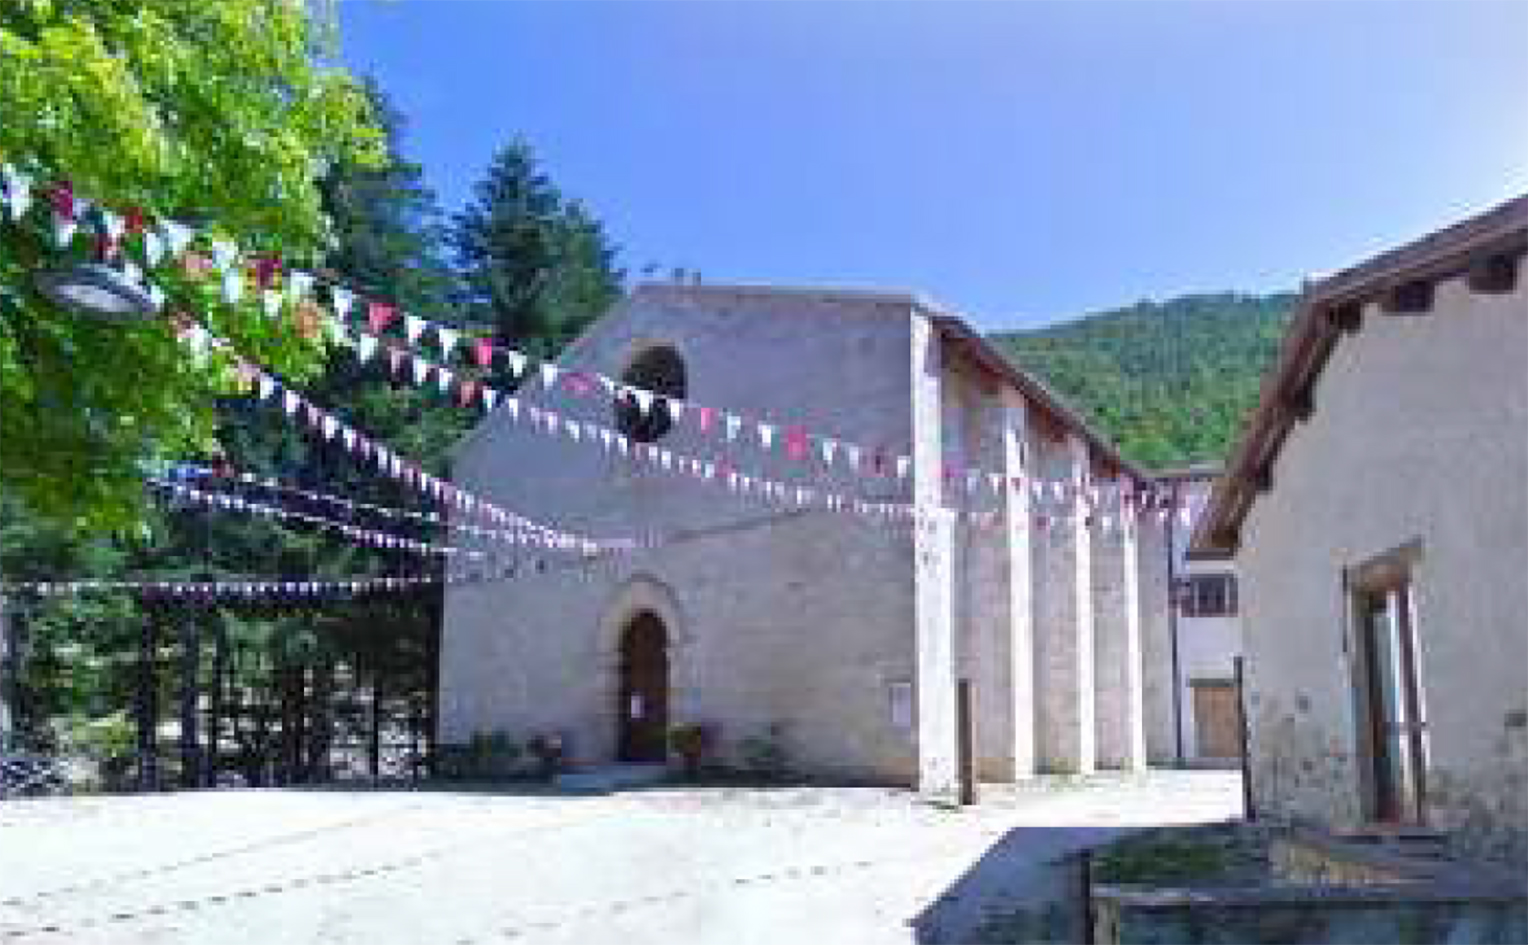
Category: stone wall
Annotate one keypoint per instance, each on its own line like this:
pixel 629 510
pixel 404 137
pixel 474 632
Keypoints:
pixel 1463 914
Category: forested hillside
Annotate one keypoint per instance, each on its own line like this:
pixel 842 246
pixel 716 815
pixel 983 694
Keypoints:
pixel 1169 381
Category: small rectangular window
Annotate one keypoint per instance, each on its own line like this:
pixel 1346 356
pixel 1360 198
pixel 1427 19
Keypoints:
pixel 1208 595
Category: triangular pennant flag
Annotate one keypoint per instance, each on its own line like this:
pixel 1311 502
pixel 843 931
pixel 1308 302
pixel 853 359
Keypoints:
pixel 298 285
pixel 267 386
pixel 448 338
pixel 466 391
pixel 271 299
pixel 482 351
pixel 394 358
pixel 331 426
pixel 517 363
pixel 853 453
pixel 177 236
pixel 223 254
pixel 366 346
pixel 644 399
pixel 443 379
pixel 342 299
pixel 412 328
pixel 904 464
pixel 18 191
pixel 378 315
pixel 64 229
pixel 233 286
pixel 153 247
pixel 766 434
pixel 549 373
pixel 827 447
pixel 675 409
pixel 489 397
pixel 734 426
pixel 290 400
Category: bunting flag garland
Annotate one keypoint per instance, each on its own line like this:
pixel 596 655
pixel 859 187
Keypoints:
pixel 520 530
pixel 365 536
pixel 166 240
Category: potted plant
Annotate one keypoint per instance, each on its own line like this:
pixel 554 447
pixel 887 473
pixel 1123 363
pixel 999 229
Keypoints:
pixel 550 750
pixel 692 742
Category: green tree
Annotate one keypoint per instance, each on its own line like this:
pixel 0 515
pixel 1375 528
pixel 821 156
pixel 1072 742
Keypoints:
pixel 219 112
pixel 536 266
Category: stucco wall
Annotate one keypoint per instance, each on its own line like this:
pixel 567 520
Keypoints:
pixel 798 617
pixel 1420 434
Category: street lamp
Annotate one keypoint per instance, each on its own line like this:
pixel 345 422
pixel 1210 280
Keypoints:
pixel 97 290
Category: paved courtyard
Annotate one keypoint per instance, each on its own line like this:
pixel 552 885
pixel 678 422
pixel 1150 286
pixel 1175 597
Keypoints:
pixel 721 865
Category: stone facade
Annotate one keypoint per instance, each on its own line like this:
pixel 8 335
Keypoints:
pixel 1417 444
pixel 848 635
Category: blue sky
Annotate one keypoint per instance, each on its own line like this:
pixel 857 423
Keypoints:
pixel 1021 161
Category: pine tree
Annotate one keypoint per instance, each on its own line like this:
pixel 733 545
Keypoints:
pixel 536 266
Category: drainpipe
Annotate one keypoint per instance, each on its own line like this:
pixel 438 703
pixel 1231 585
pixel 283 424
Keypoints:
pixel 1172 623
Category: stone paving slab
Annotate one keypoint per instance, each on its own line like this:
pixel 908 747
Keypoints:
pixel 661 864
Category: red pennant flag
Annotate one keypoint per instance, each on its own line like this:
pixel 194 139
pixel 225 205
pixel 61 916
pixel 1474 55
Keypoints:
pixel 705 417
pixel 62 199
pixel 467 390
pixel 395 358
pixel 135 220
pixel 482 349
pixel 266 269
pixel 796 443
pixel 378 315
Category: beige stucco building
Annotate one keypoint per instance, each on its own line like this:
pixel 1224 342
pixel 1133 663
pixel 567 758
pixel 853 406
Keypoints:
pixel 849 634
pixel 1377 508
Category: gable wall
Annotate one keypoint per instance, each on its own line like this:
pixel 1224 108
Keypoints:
pixel 797 617
pixel 1420 433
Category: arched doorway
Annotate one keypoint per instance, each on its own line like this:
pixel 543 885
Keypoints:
pixel 643 690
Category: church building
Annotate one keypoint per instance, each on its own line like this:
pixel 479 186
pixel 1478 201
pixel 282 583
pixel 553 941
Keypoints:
pixel 849 517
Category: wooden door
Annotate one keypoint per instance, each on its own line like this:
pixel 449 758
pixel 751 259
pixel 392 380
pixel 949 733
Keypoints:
pixel 642 696
pixel 1216 719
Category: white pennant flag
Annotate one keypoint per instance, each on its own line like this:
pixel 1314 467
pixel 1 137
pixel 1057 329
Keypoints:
pixel 828 446
pixel 853 452
pixel 178 236
pixel 413 327
pixel 489 397
pixel 421 370
pixel 290 401
pixel 734 426
pixel 223 253
pixel 766 434
pixel 272 302
pixel 233 286
pixel 113 224
pixel 549 374
pixel 331 425
pixel 644 399
pixel 342 299
pixel 298 284
pixel 904 464
pixel 63 230
pixel 366 346
pixel 18 191
pixel 443 379
pixel 448 338
pixel 516 362
pixel 153 247
pixel 348 436
pixel 267 386
pixel 156 297
pixel 675 409
pixel 513 403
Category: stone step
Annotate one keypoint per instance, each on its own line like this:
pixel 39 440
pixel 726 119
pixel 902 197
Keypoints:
pixel 606 779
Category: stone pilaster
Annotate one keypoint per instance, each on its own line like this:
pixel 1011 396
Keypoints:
pixel 933 563
pixel 1064 635
pixel 1117 639
pixel 1018 523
